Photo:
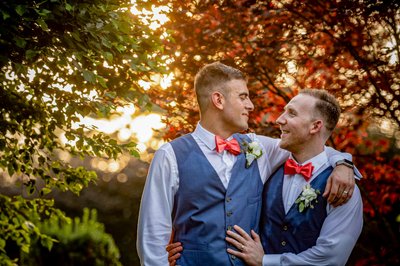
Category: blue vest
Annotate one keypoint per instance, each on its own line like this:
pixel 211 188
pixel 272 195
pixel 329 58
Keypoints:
pixel 204 210
pixel 295 231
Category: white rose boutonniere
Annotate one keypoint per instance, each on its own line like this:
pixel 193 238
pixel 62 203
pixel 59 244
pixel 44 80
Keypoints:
pixel 253 151
pixel 307 197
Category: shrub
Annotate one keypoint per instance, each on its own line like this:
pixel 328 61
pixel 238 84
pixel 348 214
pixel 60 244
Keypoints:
pixel 79 242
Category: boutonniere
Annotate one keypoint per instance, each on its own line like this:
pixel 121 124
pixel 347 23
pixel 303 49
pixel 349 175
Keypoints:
pixel 307 197
pixel 253 151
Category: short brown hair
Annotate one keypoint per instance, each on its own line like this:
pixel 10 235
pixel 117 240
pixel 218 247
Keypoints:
pixel 213 77
pixel 327 106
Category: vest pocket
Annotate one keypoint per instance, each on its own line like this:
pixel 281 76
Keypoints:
pixel 253 200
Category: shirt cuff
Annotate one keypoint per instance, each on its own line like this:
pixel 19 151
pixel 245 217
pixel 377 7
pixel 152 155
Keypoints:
pixel 337 157
pixel 272 260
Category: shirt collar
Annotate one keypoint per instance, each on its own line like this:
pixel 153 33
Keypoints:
pixel 317 161
pixel 206 136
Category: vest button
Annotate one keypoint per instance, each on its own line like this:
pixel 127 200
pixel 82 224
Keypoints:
pixel 229 213
pixel 229 227
pixel 228 199
pixel 283 243
pixel 285 228
pixel 233 257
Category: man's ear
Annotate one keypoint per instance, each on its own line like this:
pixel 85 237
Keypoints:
pixel 217 100
pixel 316 126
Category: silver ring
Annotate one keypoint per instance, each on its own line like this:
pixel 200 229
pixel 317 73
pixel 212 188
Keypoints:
pixel 345 192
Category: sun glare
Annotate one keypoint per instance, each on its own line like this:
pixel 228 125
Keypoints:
pixel 155 17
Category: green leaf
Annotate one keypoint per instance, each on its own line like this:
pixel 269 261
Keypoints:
pixel 25 248
pixel 134 153
pixel 42 24
pixel 109 57
pixel 20 10
pixel 29 54
pixel 301 207
pixel 111 95
pixel 76 36
pixel 102 81
pixel 68 7
pixel 5 15
pixel 46 190
pixel 10 169
pixel 20 42
pixel 106 42
pixel 89 76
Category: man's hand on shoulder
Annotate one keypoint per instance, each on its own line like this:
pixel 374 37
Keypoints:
pixel 340 185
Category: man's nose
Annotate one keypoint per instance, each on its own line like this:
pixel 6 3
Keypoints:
pixel 280 120
pixel 250 106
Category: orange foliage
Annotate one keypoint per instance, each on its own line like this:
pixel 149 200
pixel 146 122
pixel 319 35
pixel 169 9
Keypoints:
pixel 334 45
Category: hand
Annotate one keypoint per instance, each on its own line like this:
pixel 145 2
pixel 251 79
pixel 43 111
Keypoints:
pixel 173 252
pixel 251 250
pixel 340 185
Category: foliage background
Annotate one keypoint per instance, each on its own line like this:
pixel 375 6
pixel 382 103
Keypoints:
pixel 350 48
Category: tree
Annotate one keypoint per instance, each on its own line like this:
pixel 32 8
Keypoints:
pixel 350 48
pixel 62 60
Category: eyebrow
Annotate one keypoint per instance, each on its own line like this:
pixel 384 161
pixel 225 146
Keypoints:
pixel 289 108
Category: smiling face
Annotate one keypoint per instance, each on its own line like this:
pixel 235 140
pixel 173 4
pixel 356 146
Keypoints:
pixel 297 122
pixel 237 106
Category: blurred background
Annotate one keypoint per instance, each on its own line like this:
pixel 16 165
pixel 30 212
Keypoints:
pixel 90 89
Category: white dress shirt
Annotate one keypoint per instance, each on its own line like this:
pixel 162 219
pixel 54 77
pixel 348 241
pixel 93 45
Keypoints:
pixel 339 232
pixel 155 222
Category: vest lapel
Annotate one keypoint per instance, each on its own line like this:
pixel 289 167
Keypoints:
pixel 206 163
pixel 239 166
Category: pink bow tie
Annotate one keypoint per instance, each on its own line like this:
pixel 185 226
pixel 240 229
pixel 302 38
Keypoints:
pixel 231 146
pixel 292 168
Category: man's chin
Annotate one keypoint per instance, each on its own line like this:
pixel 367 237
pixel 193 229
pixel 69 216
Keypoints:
pixel 244 128
pixel 283 145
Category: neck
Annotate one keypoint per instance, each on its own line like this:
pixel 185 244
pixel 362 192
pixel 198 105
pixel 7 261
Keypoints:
pixel 216 129
pixel 215 124
pixel 306 153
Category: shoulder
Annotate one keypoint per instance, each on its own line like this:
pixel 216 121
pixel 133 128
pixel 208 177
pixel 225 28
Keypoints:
pixel 267 142
pixel 165 152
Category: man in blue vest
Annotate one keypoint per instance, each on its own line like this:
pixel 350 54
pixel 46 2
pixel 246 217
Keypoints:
pixel 298 226
pixel 203 183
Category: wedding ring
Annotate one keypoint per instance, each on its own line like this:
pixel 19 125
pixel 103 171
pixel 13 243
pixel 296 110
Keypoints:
pixel 242 247
pixel 345 192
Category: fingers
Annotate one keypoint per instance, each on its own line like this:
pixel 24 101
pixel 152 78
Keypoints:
pixel 240 238
pixel 242 232
pixel 236 253
pixel 333 193
pixel 173 252
pixel 344 196
pixel 172 260
pixel 340 186
pixel 173 246
pixel 328 188
pixel 255 236
pixel 234 243
pixel 250 251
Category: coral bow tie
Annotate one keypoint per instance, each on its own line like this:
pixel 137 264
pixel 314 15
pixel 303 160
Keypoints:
pixel 231 146
pixel 292 168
